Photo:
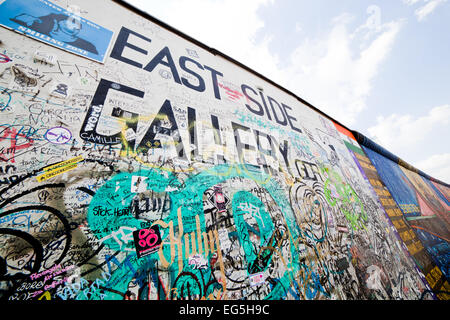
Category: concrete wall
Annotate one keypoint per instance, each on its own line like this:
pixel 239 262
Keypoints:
pixel 418 206
pixel 163 171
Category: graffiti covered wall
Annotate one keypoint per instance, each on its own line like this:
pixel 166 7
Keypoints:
pixel 156 169
pixel 422 210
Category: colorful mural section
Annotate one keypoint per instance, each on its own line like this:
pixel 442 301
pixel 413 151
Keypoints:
pixel 168 172
pixel 424 206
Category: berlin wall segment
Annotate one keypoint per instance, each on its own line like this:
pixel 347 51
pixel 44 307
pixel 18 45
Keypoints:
pixel 156 170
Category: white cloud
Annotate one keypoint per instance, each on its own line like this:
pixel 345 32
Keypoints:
pixel 405 134
pixel 437 166
pixel 425 9
pixel 397 132
pixel 428 8
pixel 335 73
pixel 410 2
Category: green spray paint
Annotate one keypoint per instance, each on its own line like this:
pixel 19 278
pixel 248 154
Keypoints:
pixel 111 205
pixel 349 203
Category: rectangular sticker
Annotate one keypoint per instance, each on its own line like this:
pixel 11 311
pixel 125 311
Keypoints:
pixel 256 279
pixel 52 24
pixel 64 163
pixel 147 240
pixel 59 168
pixel 58 171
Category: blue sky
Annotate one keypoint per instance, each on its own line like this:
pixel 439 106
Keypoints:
pixel 380 67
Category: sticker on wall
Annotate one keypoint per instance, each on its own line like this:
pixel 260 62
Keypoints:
pixel 45 57
pixel 59 168
pixel 225 242
pixel 219 200
pixel 138 184
pixel 58 135
pixel 198 261
pixel 25 78
pixel 256 279
pixel 147 241
pixel 53 25
pixel 60 90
